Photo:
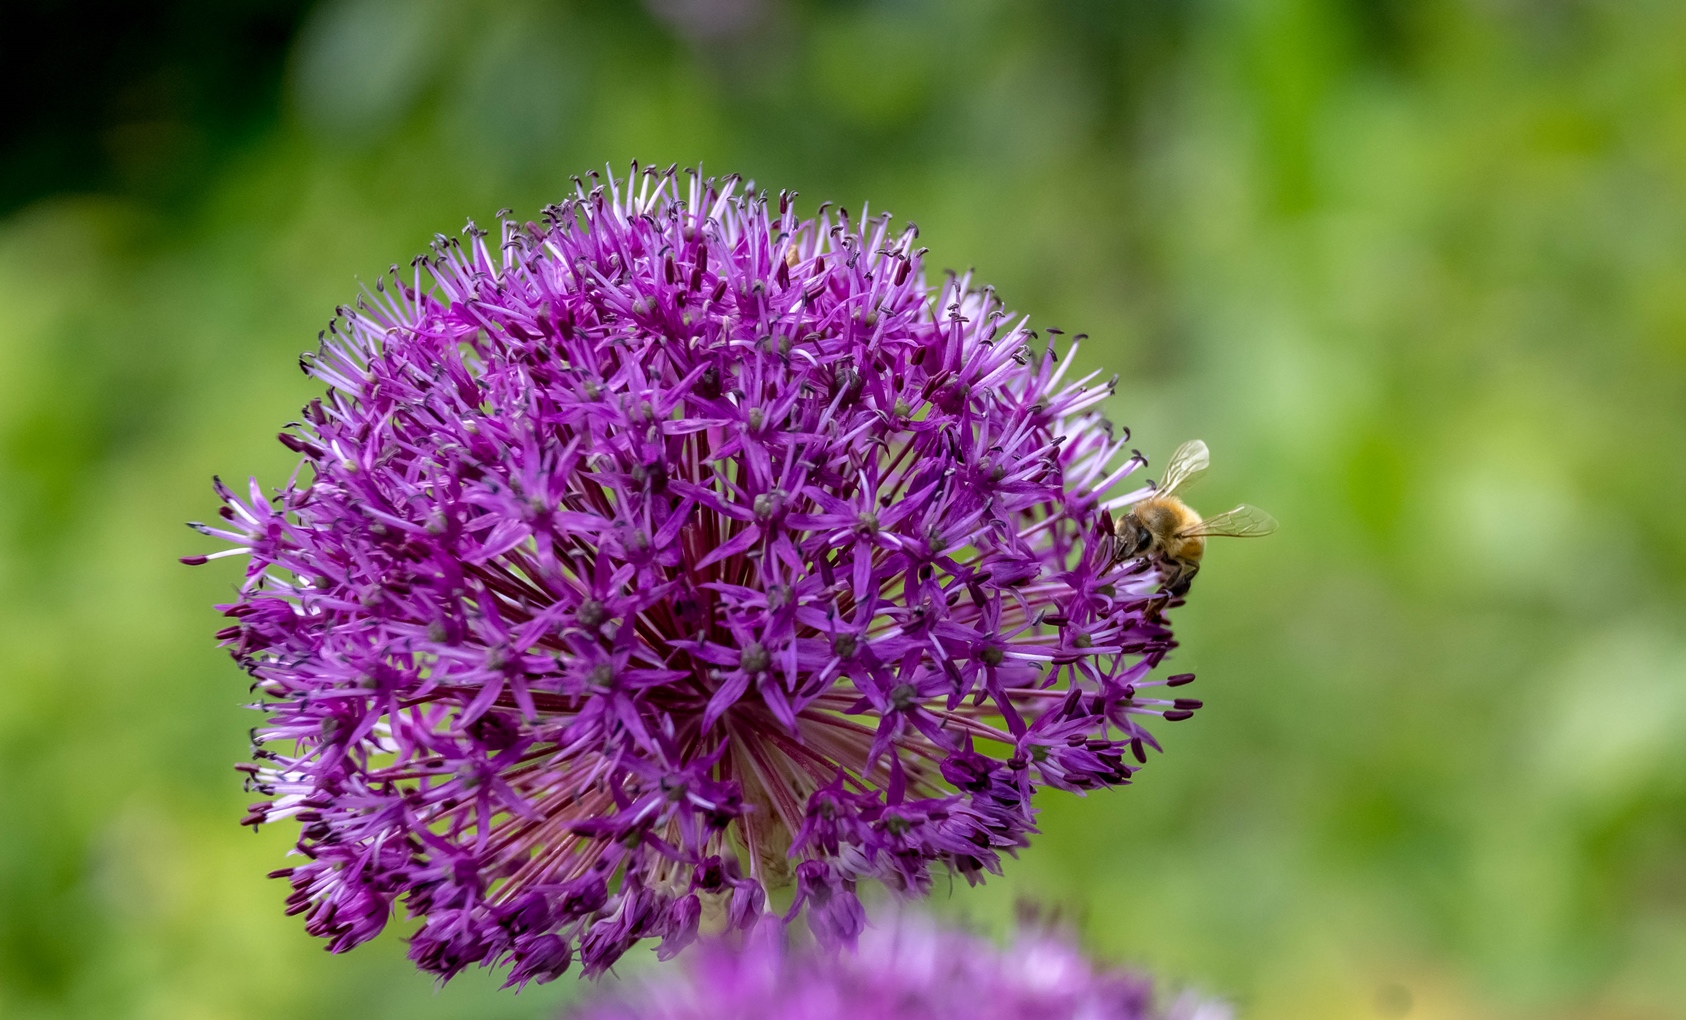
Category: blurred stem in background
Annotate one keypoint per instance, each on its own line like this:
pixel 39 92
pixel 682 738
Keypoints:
pixel 1417 272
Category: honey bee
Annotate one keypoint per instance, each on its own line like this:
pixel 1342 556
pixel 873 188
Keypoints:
pixel 1167 532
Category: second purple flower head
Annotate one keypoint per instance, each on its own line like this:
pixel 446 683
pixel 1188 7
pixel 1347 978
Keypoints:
pixel 671 553
pixel 906 968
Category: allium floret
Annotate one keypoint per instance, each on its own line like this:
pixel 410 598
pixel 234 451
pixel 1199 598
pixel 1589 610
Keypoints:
pixel 908 969
pixel 666 555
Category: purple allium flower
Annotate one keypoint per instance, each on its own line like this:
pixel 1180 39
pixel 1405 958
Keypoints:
pixel 909 969
pixel 669 553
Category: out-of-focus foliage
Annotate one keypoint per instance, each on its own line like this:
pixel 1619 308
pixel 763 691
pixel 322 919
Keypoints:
pixel 1417 272
pixel 146 98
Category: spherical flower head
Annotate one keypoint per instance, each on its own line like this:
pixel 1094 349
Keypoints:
pixel 674 553
pixel 908 969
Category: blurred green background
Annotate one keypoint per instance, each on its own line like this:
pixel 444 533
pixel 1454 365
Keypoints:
pixel 1415 270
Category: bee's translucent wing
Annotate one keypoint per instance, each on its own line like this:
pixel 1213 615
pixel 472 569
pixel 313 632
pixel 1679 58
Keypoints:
pixel 1242 522
pixel 1189 462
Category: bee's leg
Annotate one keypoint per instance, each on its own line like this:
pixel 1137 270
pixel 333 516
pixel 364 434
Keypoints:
pixel 1130 540
pixel 1179 576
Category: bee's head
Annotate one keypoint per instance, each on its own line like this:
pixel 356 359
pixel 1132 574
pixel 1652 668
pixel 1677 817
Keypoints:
pixel 1133 537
